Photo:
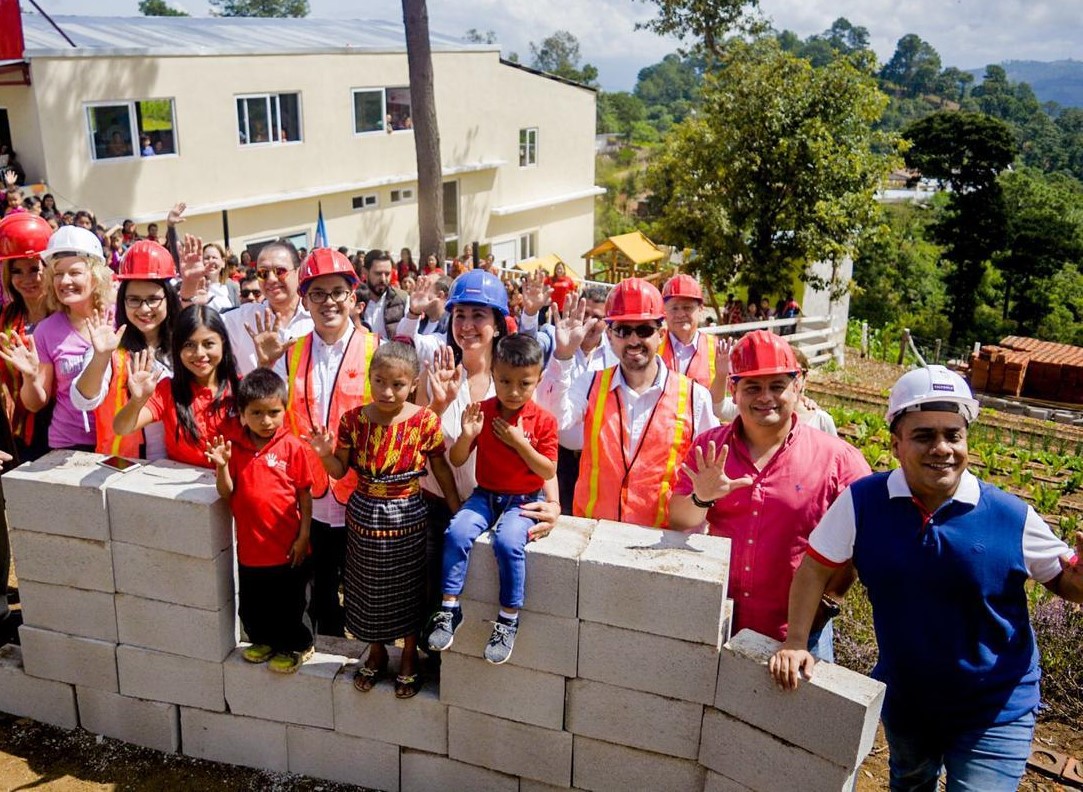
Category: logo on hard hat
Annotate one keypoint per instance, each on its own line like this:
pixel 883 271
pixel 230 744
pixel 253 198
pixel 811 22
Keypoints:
pixel 943 386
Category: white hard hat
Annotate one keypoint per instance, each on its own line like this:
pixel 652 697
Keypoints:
pixel 931 388
pixel 73 241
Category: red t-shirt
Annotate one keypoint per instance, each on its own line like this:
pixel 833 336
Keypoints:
pixel 210 422
pixel 499 467
pixel 561 288
pixel 266 487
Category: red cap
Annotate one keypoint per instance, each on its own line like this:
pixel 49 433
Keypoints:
pixel 23 235
pixel 325 261
pixel 762 353
pixel 634 299
pixel 147 260
pixel 682 286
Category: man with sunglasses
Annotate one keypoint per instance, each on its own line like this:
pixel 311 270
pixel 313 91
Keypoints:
pixel 250 291
pixel 633 421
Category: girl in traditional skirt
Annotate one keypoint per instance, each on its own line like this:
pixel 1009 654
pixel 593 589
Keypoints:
pixel 387 444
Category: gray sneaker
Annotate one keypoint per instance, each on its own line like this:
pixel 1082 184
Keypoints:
pixel 502 641
pixel 444 624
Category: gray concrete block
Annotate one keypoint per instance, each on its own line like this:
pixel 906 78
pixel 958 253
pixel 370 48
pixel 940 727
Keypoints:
pixel 159 676
pixel 320 753
pixel 88 614
pixel 153 724
pixel 505 691
pixel 530 785
pixel 425 772
pixel 188 632
pixel 232 739
pixel 833 715
pixel 509 747
pixel 69 658
pixel 651 663
pixel 29 697
pixel 719 783
pixel 62 560
pixel 632 718
pixel 763 762
pixel 552 569
pixel 61 493
pixel 544 643
pixel 304 698
pixel 172 507
pixel 605 767
pixel 653 581
pixel 173 577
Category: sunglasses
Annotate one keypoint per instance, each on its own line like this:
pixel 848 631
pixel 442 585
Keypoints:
pixel 250 292
pixel 280 272
pixel 626 331
pixel 319 296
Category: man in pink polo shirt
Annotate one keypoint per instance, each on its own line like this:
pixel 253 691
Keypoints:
pixel 764 481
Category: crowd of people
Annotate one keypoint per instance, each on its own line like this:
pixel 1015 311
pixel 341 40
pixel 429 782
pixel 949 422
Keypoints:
pixel 368 419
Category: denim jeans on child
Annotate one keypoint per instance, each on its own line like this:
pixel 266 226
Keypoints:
pixel 511 532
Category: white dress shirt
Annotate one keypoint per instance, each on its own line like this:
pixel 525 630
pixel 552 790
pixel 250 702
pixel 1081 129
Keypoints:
pixel 300 324
pixel 326 361
pixel 683 353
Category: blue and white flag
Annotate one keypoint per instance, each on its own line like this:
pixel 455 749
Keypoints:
pixel 321 230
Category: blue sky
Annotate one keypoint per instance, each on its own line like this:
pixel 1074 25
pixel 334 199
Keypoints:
pixel 966 33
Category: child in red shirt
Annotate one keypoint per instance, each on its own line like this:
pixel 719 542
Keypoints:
pixel 264 475
pixel 517 452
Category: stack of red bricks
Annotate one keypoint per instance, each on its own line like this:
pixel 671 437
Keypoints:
pixel 1029 367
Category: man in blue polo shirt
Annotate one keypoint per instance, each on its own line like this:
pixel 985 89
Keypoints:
pixel 945 559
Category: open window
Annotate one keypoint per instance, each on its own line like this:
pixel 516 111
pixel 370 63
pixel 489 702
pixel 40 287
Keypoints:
pixel 130 129
pixel 264 119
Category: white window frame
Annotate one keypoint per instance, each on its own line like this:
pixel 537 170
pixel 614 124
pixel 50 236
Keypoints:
pixel 530 238
pixel 403 196
pixel 528 151
pixel 366 205
pixel 278 107
pixel 268 240
pixel 133 129
pixel 382 89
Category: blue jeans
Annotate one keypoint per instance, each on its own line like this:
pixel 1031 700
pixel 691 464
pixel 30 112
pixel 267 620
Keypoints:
pixel 821 644
pixel 511 532
pixel 990 759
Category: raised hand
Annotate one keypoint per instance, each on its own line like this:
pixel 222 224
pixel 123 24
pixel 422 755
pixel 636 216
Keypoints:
pixel 444 380
pixel 267 339
pixel 321 440
pixel 472 421
pixel 423 296
pixel 176 214
pixel 23 355
pixel 10 177
pixel 103 337
pixel 143 375
pixel 191 260
pixel 709 479
pixel 721 383
pixel 511 434
pixel 572 326
pixel 218 451
pixel 536 295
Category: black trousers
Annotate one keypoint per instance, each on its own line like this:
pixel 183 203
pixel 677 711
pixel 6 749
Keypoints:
pixel 567 475
pixel 328 575
pixel 272 606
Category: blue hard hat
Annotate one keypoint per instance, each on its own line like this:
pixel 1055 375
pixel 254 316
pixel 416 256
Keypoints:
pixel 478 287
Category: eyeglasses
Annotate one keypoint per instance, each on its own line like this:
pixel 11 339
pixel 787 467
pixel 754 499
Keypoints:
pixel 319 296
pixel 626 331
pixel 133 303
pixel 250 292
pixel 280 272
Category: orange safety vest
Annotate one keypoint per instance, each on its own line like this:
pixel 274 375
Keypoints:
pixel 108 441
pixel 704 360
pixel 352 389
pixel 11 379
pixel 646 479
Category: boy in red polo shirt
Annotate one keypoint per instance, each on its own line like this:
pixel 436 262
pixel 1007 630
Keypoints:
pixel 265 476
pixel 516 443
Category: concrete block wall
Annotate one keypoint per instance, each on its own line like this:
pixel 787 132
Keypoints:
pixel 624 674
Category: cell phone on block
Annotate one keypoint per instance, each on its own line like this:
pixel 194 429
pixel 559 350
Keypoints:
pixel 119 463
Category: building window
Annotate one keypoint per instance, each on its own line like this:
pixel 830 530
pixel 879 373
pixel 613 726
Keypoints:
pixel 298 238
pixel 141 128
pixel 361 202
pixel 528 246
pixel 451 210
pixel 381 110
pixel 402 196
pixel 528 147
pixel 269 118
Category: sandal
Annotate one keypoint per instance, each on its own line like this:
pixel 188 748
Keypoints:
pixel 408 686
pixel 289 662
pixel 257 653
pixel 366 677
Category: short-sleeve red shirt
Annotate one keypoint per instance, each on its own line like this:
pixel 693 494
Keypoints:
pixel 499 467
pixel 266 486
pixel 210 420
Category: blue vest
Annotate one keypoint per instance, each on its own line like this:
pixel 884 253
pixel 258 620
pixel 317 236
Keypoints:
pixel 949 607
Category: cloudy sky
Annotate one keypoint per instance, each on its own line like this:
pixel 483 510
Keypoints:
pixel 966 33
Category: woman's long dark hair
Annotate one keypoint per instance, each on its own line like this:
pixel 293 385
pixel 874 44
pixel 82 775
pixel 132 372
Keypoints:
pixel 133 340
pixel 498 320
pixel 188 321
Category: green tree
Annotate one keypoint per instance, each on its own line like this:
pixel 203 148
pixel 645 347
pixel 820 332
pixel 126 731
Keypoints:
pixel 159 8
pixel 914 67
pixel 954 83
pixel 1063 318
pixel 622 111
pixel 260 8
pixel 559 54
pixel 673 84
pixel 706 23
pixel 779 167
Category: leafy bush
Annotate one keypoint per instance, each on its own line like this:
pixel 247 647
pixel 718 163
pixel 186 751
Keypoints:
pixel 1058 626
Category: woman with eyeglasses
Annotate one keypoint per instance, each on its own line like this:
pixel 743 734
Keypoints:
pixel 147 307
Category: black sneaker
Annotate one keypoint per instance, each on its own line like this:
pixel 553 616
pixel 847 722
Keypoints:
pixel 444 624
pixel 502 641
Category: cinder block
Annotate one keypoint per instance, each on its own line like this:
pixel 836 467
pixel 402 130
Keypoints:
pixel 188 632
pixel 719 783
pixel 544 643
pixel 833 715
pixel 61 493
pixel 424 772
pixel 158 676
pixel 420 722
pixel 552 569
pixel 530 785
pixel 304 698
pixel 172 507
pixel 149 723
pixel 659 582
pixel 605 767
pixel 29 697
pixel 62 560
pixel 629 717
pixel 68 658
pixel 651 663
pixel 510 747
pixel 762 762
pixel 320 753
pixel 518 694
pixel 88 614
pixel 172 577
pixel 233 739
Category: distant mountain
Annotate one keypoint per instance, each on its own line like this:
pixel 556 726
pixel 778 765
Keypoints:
pixel 1053 81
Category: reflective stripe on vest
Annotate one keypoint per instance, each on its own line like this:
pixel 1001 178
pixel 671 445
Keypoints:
pixel 106 440
pixel 706 352
pixel 684 392
pixel 595 432
pixel 120 374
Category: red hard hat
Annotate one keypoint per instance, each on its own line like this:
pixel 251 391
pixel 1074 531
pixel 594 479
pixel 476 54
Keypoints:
pixel 682 286
pixel 23 235
pixel 762 353
pixel 634 299
pixel 147 260
pixel 325 261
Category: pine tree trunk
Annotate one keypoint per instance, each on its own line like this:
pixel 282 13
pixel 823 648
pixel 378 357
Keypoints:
pixel 430 182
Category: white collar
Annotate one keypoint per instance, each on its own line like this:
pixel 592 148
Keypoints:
pixel 339 345
pixel 967 492
pixel 659 378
